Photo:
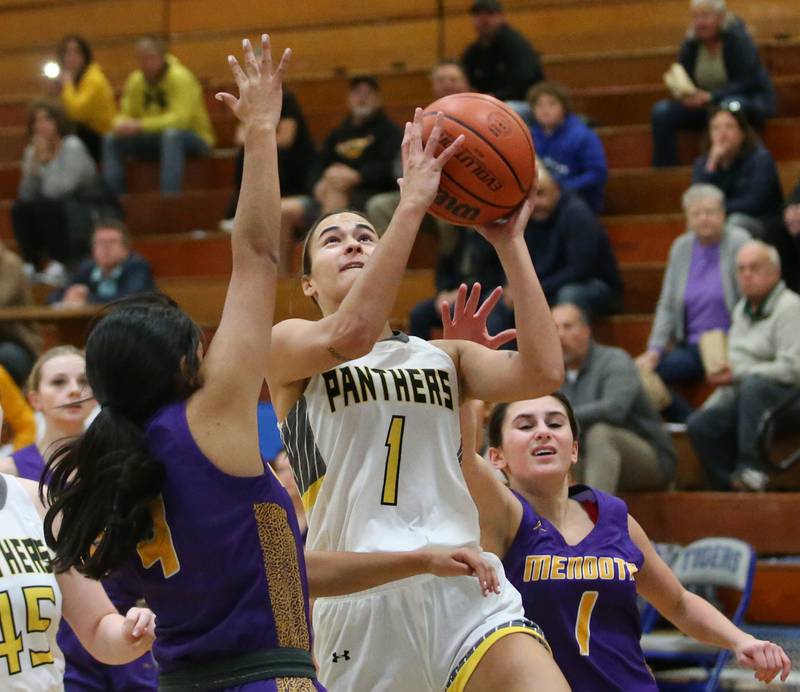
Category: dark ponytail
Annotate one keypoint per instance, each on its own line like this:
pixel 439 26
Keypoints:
pixel 140 356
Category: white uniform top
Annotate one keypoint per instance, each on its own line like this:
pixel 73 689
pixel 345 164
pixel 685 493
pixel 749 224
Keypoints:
pixel 30 600
pixel 375 445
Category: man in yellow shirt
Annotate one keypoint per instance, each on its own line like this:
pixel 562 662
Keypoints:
pixel 162 115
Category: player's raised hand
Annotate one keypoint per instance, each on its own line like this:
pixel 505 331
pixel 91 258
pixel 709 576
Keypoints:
pixel 139 627
pixel 422 166
pixel 468 319
pixel 463 562
pixel 765 658
pixel 515 225
pixel 260 86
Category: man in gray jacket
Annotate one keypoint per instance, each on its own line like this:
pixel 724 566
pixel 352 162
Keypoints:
pixel 624 445
pixel 763 370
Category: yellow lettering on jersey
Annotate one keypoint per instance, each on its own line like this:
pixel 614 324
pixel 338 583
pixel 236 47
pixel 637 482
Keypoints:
pixel 606 565
pixel 621 568
pixel 537 567
pixel 11 646
pixel 34 595
pixel 632 569
pixel 557 567
pixel 159 548
pixel 574 567
pixel 584 619
pixel 589 567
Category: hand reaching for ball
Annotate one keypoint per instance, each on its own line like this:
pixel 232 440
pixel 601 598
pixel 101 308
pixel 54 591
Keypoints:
pixel 422 169
pixel 513 227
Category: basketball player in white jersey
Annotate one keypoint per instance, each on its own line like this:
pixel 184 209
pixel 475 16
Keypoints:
pixel 370 422
pixel 32 599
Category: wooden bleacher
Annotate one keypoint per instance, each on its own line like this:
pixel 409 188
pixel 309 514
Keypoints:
pixel 610 53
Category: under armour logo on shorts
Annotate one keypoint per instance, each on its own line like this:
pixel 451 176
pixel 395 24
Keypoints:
pixel 341 657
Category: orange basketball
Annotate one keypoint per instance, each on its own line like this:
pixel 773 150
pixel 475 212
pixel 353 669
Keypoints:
pixel 496 167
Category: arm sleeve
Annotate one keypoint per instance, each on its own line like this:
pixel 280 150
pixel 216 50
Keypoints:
pixel 78 101
pixel 579 228
pixel 786 365
pixel 379 170
pixel 666 309
pixel 30 184
pixel 620 386
pixel 594 168
pixel 69 170
pixel 525 69
pixel 758 178
pixel 742 64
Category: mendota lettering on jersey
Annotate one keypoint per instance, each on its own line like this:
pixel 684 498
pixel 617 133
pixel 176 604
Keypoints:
pixel 358 385
pixel 24 556
pixel 544 567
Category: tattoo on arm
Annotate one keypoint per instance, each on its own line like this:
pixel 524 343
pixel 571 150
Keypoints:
pixel 337 355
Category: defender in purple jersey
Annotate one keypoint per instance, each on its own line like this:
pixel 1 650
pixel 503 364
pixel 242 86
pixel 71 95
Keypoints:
pixel 168 482
pixel 579 559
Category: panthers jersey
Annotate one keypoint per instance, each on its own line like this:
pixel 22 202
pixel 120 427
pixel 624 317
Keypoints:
pixel 30 600
pixel 375 444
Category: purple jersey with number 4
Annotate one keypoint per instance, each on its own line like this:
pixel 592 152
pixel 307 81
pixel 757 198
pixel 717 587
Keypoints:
pixel 224 571
pixel 584 596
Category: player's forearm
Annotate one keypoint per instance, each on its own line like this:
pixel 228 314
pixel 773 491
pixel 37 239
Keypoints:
pixel 258 217
pixel 539 351
pixel 370 301
pixel 336 574
pixel 697 618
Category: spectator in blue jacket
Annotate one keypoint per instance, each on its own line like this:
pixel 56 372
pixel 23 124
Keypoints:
pixel 722 60
pixel 739 165
pixel 113 271
pixel 569 148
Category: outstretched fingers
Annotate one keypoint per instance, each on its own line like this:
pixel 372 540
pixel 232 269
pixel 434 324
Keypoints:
pixel 474 296
pixel 488 304
pixel 250 61
pixel 435 136
pixel 283 65
pixel 450 151
pixel 266 54
pixel 238 73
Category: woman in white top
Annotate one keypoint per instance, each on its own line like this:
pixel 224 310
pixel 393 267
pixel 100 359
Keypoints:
pixel 370 422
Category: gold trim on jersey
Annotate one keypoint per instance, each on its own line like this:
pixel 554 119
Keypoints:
pixel 294 685
pixel 309 497
pixel 283 575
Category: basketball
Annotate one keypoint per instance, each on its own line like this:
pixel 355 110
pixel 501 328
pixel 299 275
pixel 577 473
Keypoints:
pixel 496 167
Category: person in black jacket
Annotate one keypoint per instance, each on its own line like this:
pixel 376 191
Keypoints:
pixel 501 62
pixel 722 60
pixel 739 165
pixel 113 271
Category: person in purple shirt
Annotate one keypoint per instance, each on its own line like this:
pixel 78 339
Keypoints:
pixel 579 559
pixel 168 483
pixel 58 389
pixel 698 292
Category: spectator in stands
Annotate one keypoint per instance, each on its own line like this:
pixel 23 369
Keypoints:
pixel 501 62
pixel 722 60
pixel 763 370
pixel 698 293
pixel 447 78
pixel 571 251
pixel 19 341
pixel 18 414
pixel 356 162
pixel 790 259
pixel 56 171
pixel 162 116
pixel 113 272
pixel 85 93
pixel 624 445
pixel 571 150
pixel 738 164
pixel 295 155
